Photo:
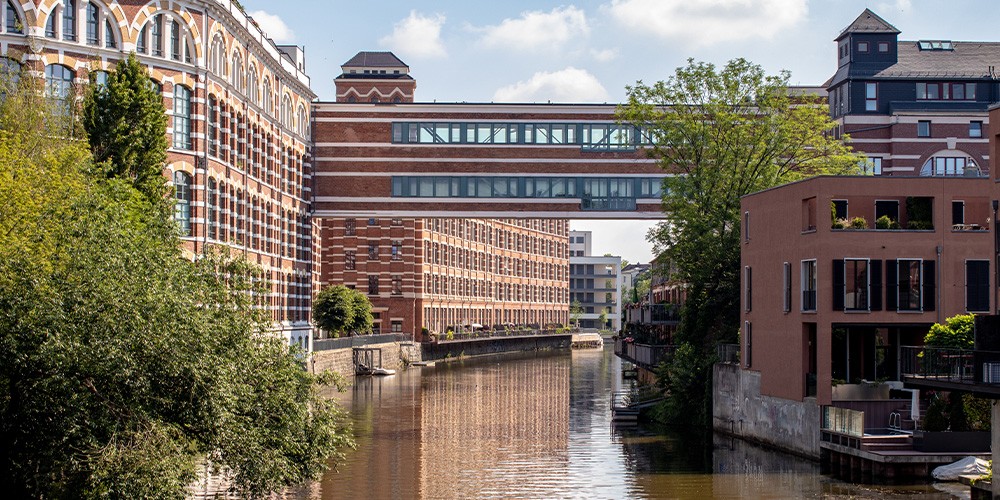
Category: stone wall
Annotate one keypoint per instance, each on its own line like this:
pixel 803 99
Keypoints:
pixel 739 409
pixel 395 355
pixel 458 348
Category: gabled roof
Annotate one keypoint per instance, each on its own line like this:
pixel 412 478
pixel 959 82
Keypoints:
pixel 966 60
pixel 375 60
pixel 869 22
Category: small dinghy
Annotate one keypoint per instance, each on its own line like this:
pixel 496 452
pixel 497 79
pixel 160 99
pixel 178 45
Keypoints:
pixel 383 371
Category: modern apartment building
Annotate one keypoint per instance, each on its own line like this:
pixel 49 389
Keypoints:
pixel 239 110
pixel 595 284
pixel 914 107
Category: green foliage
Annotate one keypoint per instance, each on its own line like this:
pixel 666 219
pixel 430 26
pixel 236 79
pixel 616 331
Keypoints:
pixel 859 223
pixel 919 212
pixel 957 332
pixel 687 379
pixel 575 311
pixel 339 310
pixel 884 222
pixel 126 125
pixel 126 364
pixel 936 416
pixel 958 412
pixel 730 131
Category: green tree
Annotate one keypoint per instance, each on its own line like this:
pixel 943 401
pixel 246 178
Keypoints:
pixel 575 312
pixel 339 310
pixel 126 125
pixel 957 332
pixel 729 132
pixel 125 364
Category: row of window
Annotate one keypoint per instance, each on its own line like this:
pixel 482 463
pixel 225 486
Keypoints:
pixel 254 223
pixel 481 289
pixel 598 136
pixel 858 285
pixel 475 232
pixel 526 187
pixel 890 209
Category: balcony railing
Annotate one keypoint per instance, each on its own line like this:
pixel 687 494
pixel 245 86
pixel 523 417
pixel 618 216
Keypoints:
pixel 728 353
pixel 844 421
pixel 646 356
pixel 358 341
pixel 951 366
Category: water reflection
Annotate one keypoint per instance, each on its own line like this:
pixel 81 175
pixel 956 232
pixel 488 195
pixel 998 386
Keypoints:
pixel 538 426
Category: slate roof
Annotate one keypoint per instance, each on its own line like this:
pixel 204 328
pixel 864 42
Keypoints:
pixel 869 22
pixel 967 60
pixel 375 60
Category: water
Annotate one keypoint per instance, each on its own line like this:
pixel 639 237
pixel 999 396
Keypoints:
pixel 539 425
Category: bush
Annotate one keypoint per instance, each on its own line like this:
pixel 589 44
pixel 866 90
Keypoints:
pixel 839 224
pixel 919 224
pixel 859 223
pixel 884 222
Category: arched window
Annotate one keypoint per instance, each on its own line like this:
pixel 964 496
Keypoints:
pixel 69 20
pixel 950 163
pixel 213 209
pixel 217 58
pixel 10 75
pixel 98 18
pixel 268 98
pixel 303 121
pixel 175 41
pixel 93 24
pixel 253 91
pixel 110 40
pixel 50 24
pixel 237 72
pixel 58 81
pixel 286 111
pixel 12 20
pixel 99 78
pixel 213 126
pixel 142 42
pixel 156 32
pixel 182 117
pixel 182 203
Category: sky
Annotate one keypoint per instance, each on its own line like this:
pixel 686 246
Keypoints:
pixel 590 50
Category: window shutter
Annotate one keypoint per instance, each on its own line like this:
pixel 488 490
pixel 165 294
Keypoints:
pixel 838 285
pixel 875 275
pixel 891 285
pixel 929 294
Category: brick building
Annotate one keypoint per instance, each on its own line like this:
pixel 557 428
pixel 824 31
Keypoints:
pixel 239 111
pixel 914 107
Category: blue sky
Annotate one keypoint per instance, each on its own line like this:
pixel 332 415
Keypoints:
pixel 588 51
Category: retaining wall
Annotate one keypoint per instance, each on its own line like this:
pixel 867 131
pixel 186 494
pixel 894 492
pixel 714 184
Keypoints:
pixel 739 409
pixel 395 355
pixel 456 348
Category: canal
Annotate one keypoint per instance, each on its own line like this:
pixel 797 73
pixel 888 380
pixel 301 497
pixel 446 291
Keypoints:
pixel 537 425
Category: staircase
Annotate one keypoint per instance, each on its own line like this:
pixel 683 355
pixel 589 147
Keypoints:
pixel 626 405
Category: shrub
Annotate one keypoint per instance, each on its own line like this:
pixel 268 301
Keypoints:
pixel 884 222
pixel 859 223
pixel 839 224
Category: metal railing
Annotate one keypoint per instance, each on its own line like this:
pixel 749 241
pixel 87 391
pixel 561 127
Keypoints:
pixel 358 341
pixel 512 332
pixel 728 353
pixel 644 355
pixel 959 366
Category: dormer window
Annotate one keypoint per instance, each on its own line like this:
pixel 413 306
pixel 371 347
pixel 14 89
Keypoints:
pixel 935 45
pixel 883 46
pixel 863 47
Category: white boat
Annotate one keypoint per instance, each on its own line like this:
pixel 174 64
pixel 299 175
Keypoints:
pixel 383 371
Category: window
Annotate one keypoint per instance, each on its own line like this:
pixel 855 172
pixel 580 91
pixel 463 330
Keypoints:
pixel 748 343
pixel 110 41
pixel 217 60
pixel 872 165
pixel 373 284
pixel 350 259
pixel 182 117
pixel 372 222
pixel 863 47
pixel 924 128
pixel 69 20
pixel 946 91
pixel 909 285
pixel 747 288
pixel 397 284
pixel 10 75
pixel 12 20
pixel 175 40
pixel 213 210
pixel 349 227
pixel 396 326
pixel 883 46
pixel 182 202
pixel 157 32
pixel 888 208
pixel 871 96
pixel 397 222
pixel 746 227
pixel 977 285
pixel 787 280
pixel 957 212
pixel 397 250
pixel 840 209
pixel 142 42
pixel 808 285
pixel 213 126
pixel 93 24
pixel 253 91
pixel 373 251
pixel 975 129
pixel 851 284
pixel 50 25
pixel 950 166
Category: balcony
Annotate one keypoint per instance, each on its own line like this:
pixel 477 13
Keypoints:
pixel 969 370
pixel 643 355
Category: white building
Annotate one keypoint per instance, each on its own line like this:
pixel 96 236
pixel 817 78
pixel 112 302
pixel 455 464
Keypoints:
pixel 595 283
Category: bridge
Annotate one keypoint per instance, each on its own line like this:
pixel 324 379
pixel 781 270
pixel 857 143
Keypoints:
pixel 423 160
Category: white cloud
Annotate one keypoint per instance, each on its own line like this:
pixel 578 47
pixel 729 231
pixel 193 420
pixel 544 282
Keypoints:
pixel 418 36
pixel 604 56
pixel 273 26
pixel 898 6
pixel 706 22
pixel 537 30
pixel 567 85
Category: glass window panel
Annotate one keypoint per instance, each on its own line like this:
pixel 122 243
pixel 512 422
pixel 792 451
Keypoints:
pixel 441 186
pixel 499 187
pixel 921 91
pixel 933 91
pixel 558 135
pixel 441 133
pixel 485 187
pixel 529 134
pixel 456 133
pixel 484 134
pixel 426 184
pixel 512 134
pixel 958 91
pixel 970 91
pixel 499 134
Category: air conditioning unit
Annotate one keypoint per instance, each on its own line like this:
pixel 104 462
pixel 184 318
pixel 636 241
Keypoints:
pixel 991 373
